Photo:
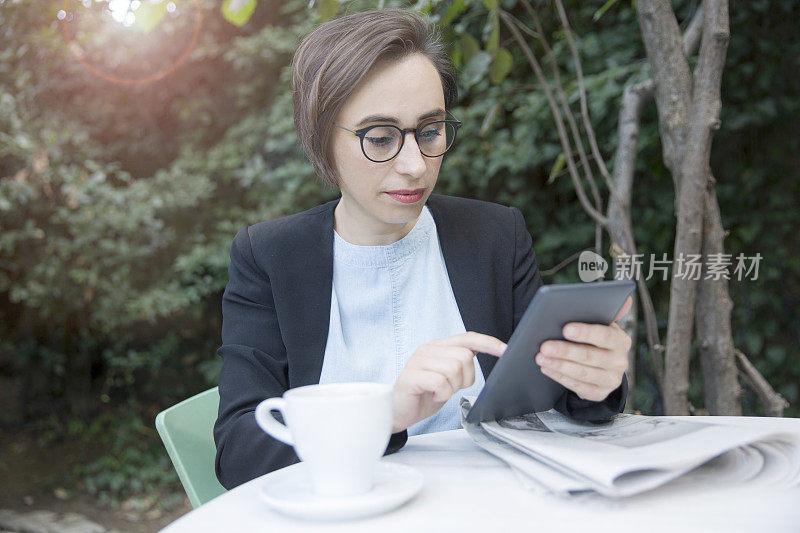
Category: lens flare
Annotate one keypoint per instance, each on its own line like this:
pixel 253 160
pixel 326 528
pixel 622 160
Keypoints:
pixel 124 13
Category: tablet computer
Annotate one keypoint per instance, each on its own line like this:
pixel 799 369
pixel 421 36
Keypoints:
pixel 515 385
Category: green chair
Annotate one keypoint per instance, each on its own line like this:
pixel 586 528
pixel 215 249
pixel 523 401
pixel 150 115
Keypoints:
pixel 187 431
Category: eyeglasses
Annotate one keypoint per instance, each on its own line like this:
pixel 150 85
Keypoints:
pixel 382 142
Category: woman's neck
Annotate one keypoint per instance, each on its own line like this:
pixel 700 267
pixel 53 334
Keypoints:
pixel 359 227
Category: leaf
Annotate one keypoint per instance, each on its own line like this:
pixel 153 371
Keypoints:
pixel 558 166
pixel 776 354
pixel 491 32
pixel 605 7
pixel 501 66
pixel 488 120
pixel 327 9
pixel 754 342
pixel 490 4
pixel 148 15
pixel 238 12
pixel 455 9
pixel 469 47
pixel 476 68
pixel 455 54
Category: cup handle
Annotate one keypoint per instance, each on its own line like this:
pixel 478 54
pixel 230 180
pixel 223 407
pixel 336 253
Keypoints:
pixel 268 422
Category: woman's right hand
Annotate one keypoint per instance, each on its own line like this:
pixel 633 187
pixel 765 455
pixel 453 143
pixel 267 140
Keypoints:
pixel 435 372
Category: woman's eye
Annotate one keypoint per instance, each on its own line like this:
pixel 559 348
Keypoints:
pixel 380 141
pixel 429 135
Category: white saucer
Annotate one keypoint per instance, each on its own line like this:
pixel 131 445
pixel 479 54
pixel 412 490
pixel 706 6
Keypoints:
pixel 289 491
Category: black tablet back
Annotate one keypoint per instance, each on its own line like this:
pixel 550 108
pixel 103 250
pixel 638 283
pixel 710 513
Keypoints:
pixel 516 386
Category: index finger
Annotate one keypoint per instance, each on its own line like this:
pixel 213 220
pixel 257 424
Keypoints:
pixel 477 342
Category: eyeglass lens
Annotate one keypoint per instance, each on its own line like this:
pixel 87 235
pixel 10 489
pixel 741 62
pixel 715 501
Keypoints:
pixel 383 142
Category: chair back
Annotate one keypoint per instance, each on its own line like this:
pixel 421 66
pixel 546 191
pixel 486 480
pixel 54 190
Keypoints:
pixel 187 430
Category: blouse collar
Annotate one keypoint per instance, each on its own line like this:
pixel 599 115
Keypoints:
pixel 388 254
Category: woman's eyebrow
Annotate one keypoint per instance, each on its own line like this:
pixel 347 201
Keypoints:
pixel 392 120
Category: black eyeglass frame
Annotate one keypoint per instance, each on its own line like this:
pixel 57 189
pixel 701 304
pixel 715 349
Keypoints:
pixel 362 132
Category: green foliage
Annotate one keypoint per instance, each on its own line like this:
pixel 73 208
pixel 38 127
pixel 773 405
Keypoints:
pixel 148 15
pixel 602 10
pixel 327 9
pixel 131 468
pixel 502 61
pixel 518 159
pixel 242 12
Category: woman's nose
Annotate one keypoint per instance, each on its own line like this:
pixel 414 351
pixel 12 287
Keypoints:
pixel 410 160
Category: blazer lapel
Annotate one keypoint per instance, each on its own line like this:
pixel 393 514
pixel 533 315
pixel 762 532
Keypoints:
pixel 310 299
pixel 467 271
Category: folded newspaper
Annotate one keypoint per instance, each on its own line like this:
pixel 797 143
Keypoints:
pixel 551 453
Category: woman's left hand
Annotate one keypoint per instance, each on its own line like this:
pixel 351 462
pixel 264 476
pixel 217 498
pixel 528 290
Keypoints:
pixel 593 359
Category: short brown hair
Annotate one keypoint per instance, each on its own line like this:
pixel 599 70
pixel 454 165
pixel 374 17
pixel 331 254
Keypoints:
pixel 332 60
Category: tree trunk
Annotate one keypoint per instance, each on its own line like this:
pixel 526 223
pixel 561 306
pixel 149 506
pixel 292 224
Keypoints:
pixel 633 102
pixel 713 321
pixel 688 113
pixel 673 81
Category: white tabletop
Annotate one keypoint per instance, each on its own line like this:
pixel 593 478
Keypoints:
pixel 467 489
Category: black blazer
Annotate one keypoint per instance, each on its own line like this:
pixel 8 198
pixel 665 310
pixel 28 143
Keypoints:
pixel 276 310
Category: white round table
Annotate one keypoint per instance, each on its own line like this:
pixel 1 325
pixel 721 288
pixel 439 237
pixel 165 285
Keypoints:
pixel 469 490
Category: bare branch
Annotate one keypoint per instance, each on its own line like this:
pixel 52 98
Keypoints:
pixel 562 264
pixel 587 123
pixel 576 136
pixel 693 34
pixel 562 133
pixel 524 27
pixel 774 403
pixel 670 72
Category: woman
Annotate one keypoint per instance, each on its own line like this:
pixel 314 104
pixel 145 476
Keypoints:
pixel 391 282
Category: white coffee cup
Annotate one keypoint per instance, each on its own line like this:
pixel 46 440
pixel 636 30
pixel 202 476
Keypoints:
pixel 340 430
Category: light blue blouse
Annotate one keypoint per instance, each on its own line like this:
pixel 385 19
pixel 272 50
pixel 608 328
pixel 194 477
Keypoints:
pixel 386 301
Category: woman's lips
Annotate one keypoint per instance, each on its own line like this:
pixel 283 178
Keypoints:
pixel 407 197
